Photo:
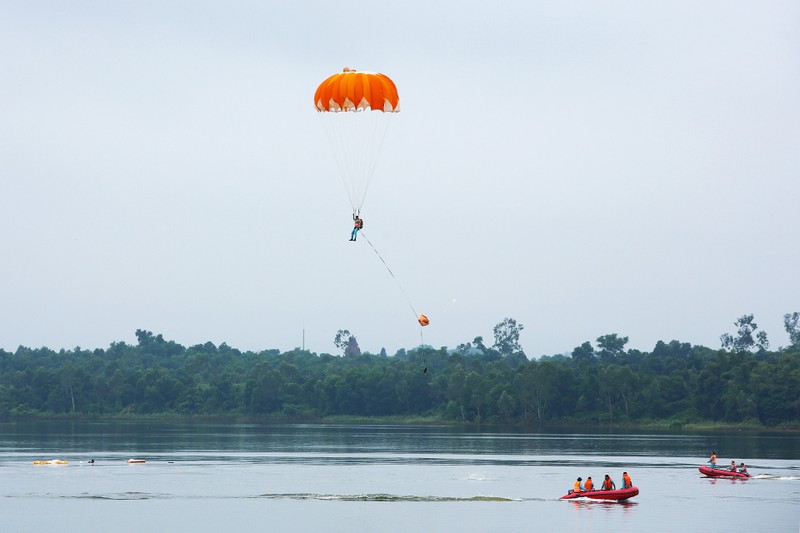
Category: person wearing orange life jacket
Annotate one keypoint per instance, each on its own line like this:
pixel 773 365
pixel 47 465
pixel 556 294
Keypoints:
pixel 608 483
pixel 358 223
pixel 626 481
pixel 577 487
pixel 589 485
pixel 742 468
pixel 713 459
pixel 732 468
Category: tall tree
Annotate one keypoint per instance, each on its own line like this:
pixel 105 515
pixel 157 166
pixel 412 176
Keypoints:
pixel 342 340
pixel 792 324
pixel 477 342
pixel 611 346
pixel 506 336
pixel 745 340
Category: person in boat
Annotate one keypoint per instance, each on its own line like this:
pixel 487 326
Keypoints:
pixel 742 468
pixel 732 468
pixel 713 459
pixel 608 483
pixel 626 481
pixel 589 485
pixel 358 223
pixel 578 486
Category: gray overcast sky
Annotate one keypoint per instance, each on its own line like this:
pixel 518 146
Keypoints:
pixel 582 167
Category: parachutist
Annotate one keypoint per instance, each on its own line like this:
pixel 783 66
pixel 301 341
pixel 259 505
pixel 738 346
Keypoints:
pixel 358 223
pixel 425 370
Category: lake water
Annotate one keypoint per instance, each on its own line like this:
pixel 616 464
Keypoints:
pixel 303 477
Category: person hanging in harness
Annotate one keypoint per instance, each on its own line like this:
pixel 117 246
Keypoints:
pixel 358 223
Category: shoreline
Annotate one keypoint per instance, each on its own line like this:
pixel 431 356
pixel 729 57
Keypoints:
pixel 657 425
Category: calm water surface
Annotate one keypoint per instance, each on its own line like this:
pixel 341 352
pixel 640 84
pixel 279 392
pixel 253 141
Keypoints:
pixel 251 477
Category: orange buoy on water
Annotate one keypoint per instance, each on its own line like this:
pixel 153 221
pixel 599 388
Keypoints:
pixel 423 320
pixel 132 461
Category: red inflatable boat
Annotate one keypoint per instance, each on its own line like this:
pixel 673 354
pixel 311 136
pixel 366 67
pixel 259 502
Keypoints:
pixel 722 472
pixel 617 494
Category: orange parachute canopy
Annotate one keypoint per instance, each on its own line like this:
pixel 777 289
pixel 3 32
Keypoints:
pixel 423 320
pixel 351 90
pixel 356 137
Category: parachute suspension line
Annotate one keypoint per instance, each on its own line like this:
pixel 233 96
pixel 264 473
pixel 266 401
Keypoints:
pixel 391 273
pixel 421 338
pixel 379 131
pixel 356 138
pixel 333 127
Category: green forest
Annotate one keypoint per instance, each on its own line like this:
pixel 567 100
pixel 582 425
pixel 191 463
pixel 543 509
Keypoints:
pixel 598 383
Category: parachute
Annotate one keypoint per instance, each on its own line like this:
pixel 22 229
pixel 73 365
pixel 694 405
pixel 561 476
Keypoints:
pixel 355 109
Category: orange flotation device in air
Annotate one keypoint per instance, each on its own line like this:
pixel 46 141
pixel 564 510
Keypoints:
pixel 423 320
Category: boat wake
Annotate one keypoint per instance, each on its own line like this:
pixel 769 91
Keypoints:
pixel 778 478
pixel 119 496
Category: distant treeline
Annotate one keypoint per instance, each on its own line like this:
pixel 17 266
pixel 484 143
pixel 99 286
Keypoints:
pixel 602 384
